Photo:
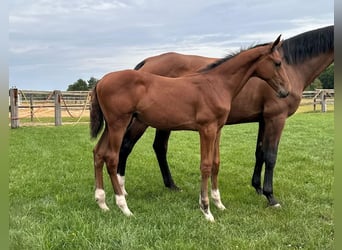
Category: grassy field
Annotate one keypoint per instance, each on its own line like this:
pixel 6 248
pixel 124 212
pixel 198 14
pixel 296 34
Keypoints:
pixel 52 203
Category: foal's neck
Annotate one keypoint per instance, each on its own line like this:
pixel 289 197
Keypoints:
pixel 235 72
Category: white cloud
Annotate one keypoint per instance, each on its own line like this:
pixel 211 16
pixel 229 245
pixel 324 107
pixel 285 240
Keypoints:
pixel 60 41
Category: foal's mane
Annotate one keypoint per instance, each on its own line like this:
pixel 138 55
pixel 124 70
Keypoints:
pixel 228 57
pixel 309 44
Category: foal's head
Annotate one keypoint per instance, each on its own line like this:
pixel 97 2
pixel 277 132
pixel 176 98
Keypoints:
pixel 269 68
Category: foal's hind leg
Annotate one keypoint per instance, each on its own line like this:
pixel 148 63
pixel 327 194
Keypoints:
pixel 98 151
pixel 116 130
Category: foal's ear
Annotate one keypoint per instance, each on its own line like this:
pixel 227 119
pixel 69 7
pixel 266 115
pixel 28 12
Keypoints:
pixel 276 44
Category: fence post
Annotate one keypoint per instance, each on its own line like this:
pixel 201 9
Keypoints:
pixel 58 112
pixel 31 106
pixel 14 108
pixel 323 102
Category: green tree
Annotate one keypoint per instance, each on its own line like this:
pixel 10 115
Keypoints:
pixel 327 77
pixel 79 85
pixel 316 84
pixel 82 85
pixel 92 82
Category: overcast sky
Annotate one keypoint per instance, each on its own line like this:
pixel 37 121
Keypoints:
pixel 53 43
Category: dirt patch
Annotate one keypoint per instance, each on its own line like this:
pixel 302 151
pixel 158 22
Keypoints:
pixel 50 112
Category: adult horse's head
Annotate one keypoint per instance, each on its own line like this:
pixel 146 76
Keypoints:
pixel 270 69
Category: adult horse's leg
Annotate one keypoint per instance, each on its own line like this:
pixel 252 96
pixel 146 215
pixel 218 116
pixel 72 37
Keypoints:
pixel 160 148
pixel 100 196
pixel 259 159
pixel 272 134
pixel 207 142
pixel 215 193
pixel 133 133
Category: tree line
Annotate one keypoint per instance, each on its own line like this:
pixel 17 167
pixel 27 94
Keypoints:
pixel 82 85
pixel 324 81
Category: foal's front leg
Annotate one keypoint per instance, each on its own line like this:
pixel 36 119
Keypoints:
pixel 207 141
pixel 215 193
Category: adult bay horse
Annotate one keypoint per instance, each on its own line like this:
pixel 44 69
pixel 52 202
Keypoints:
pixel 306 56
pixel 198 102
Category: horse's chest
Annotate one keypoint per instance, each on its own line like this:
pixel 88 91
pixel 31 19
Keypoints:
pixel 214 111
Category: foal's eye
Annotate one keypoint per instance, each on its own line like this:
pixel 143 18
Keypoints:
pixel 277 64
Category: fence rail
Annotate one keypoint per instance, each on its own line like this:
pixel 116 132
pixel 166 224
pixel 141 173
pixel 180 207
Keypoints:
pixel 321 97
pixel 36 104
pixel 31 104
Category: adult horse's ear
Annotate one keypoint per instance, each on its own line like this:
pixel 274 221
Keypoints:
pixel 276 44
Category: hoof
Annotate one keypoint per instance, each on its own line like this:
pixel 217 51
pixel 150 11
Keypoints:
pixel 100 198
pixel 174 188
pixel 277 205
pixel 126 211
pixel 103 207
pixel 215 195
pixel 220 206
pixel 122 204
pixel 209 218
pixel 207 214
pixel 259 191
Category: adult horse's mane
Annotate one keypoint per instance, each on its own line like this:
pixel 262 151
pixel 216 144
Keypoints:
pixel 139 65
pixel 228 57
pixel 308 44
pixel 296 49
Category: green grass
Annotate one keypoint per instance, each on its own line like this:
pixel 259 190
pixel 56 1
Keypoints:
pixel 52 205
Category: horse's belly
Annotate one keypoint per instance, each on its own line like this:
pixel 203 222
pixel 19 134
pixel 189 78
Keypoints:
pixel 164 120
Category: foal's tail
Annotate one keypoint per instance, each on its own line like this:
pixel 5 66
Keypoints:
pixel 96 115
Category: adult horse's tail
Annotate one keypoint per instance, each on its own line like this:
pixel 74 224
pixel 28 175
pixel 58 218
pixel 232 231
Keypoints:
pixel 96 115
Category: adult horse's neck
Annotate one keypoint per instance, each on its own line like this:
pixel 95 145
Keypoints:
pixel 307 55
pixel 235 70
pixel 309 70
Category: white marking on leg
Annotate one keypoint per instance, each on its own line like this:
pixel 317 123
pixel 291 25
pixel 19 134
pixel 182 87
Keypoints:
pixel 122 204
pixel 207 214
pixel 122 183
pixel 215 195
pixel 100 197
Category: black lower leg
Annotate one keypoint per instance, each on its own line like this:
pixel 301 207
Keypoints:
pixel 270 160
pixel 160 148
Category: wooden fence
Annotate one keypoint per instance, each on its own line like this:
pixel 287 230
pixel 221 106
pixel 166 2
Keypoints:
pixel 27 105
pixel 321 97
